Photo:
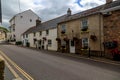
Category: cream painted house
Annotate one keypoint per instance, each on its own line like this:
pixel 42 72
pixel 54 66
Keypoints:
pixel 43 35
pixel 2 36
pixel 21 22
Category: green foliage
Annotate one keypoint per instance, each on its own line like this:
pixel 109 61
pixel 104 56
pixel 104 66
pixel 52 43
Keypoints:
pixel 18 43
pixel 4 29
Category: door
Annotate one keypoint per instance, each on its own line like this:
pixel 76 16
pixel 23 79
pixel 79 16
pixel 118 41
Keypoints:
pixel 72 46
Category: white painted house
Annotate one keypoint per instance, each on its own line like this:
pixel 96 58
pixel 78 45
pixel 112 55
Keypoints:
pixel 43 35
pixel 21 22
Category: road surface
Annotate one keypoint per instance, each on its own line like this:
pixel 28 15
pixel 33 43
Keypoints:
pixel 42 65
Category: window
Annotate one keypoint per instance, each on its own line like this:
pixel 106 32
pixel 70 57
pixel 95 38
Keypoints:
pixel 40 33
pixel 63 28
pixel 34 41
pixel 49 42
pixel 14 36
pixel 23 36
pixel 13 27
pixel 30 20
pixel 47 32
pixel 34 34
pixel 85 43
pixel 84 24
pixel 26 35
pixel 72 43
pixel 21 16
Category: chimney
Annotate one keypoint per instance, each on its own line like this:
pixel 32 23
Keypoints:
pixel 38 22
pixel 109 1
pixel 69 12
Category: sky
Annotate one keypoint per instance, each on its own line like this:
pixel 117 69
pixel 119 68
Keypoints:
pixel 45 9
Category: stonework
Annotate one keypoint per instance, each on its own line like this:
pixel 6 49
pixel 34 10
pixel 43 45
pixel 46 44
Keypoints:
pixel 112 28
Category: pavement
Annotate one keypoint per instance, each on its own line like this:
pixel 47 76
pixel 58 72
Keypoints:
pixel 98 59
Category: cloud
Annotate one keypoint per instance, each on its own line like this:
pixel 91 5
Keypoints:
pixel 46 9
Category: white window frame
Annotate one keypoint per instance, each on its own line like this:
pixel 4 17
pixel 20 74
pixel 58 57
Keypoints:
pixel 82 23
pixel 83 42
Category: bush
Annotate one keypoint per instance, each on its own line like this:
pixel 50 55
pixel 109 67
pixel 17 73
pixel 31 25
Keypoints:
pixel 18 43
pixel 2 67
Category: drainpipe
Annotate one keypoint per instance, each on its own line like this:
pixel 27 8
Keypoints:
pixel 100 34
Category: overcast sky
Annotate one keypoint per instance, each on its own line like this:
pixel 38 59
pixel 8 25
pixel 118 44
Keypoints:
pixel 45 9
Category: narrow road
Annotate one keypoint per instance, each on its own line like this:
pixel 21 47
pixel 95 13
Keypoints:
pixel 44 66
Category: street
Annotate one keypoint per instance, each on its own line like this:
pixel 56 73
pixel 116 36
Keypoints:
pixel 45 66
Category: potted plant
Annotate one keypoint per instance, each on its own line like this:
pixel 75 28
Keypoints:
pixel 93 37
pixel 84 29
pixel 44 38
pixel 57 39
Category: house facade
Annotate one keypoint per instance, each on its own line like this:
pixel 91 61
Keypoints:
pixel 20 23
pixel 2 36
pixel 111 19
pixel 43 35
pixel 87 30
pixel 75 33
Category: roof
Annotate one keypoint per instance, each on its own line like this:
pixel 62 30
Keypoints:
pixel 95 10
pixel 46 25
pixel 21 13
pixel 53 23
pixel 29 30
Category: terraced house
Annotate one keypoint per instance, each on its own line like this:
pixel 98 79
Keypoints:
pixel 86 30
pixel 76 33
pixel 43 35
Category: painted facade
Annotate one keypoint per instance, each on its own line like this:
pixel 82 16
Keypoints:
pixel 21 22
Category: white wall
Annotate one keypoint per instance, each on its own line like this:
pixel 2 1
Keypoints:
pixel 52 36
pixel 22 24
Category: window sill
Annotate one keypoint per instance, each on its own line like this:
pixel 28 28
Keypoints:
pixel 87 31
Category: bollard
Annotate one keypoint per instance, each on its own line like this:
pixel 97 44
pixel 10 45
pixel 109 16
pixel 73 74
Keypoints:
pixel 89 52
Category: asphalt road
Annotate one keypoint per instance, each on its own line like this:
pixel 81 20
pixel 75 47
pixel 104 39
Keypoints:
pixel 44 66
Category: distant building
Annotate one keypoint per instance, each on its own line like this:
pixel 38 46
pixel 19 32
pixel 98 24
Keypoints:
pixel 20 23
pixel 2 36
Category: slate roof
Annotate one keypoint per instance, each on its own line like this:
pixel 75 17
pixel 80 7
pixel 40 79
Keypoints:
pixel 46 25
pixel 53 23
pixel 95 10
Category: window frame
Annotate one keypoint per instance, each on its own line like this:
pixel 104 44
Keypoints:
pixel 49 42
pixel 84 25
pixel 84 44
pixel 47 32
pixel 63 28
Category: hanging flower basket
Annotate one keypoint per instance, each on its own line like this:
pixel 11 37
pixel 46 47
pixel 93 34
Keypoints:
pixel 66 39
pixel 63 32
pixel 85 47
pixel 75 38
pixel 84 29
pixel 93 37
pixel 57 39
pixel 44 38
pixel 35 39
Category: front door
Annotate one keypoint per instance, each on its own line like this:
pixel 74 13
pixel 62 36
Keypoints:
pixel 72 46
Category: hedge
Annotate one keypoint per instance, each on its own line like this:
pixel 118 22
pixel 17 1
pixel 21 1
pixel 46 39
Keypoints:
pixel 2 67
pixel 18 43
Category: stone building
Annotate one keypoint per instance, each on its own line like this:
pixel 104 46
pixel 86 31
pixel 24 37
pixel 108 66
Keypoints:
pixel 86 30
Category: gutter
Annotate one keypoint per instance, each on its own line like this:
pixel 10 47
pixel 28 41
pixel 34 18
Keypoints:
pixel 110 9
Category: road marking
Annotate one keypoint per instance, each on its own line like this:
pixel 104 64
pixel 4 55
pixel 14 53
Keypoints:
pixel 27 76
pixel 10 68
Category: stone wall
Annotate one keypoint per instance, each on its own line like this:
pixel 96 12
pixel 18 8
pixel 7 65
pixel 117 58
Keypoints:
pixel 112 29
